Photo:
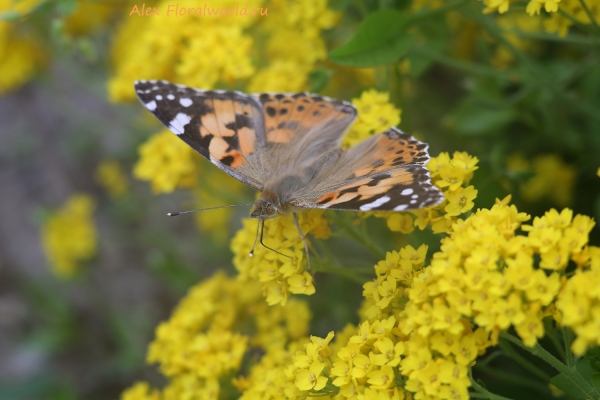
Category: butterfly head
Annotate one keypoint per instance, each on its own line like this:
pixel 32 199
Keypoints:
pixel 267 206
pixel 264 209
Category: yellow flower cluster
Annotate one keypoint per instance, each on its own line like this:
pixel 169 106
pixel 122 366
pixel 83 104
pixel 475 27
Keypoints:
pixel 548 169
pixel 198 50
pixel 294 44
pixel 571 11
pixel 279 274
pixel 89 16
pixel 375 115
pixel 69 235
pixel 534 6
pixel 579 302
pixel 450 175
pixel 167 163
pixel 110 175
pixel 424 327
pixel 20 54
pixel 202 344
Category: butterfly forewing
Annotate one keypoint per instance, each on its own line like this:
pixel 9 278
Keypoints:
pixel 225 127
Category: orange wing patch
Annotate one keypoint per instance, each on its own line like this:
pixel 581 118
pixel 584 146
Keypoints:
pixel 287 115
pixel 389 150
pixel 397 190
pixel 227 131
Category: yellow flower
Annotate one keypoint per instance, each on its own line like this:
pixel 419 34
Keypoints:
pixel 283 272
pixel 110 175
pixel 400 222
pixel 310 379
pixel 375 115
pixel 69 235
pixel 280 76
pixel 194 49
pixel 89 16
pixel 550 169
pixel 20 53
pixel 140 391
pixel 460 201
pixel 167 162
pixel 496 5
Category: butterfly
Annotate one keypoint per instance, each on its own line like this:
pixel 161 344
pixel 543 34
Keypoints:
pixel 287 146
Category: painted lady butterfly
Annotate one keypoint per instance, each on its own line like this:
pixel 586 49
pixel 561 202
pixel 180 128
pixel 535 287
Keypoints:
pixel 287 147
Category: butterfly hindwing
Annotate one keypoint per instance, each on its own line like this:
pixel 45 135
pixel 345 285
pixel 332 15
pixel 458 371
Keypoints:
pixel 385 173
pixel 225 127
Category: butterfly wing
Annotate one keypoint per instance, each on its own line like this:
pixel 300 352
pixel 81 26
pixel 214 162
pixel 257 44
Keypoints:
pixel 385 173
pixel 225 127
pixel 302 127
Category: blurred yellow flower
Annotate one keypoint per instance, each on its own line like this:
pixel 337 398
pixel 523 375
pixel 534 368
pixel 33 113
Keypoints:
pixel 375 115
pixel 196 50
pixel 140 391
pixel 20 53
pixel 69 235
pixel 553 178
pixel 111 176
pixel 294 44
pixel 208 335
pixel 89 16
pixel 166 162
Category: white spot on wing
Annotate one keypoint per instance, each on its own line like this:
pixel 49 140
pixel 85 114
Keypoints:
pixel 185 102
pixel 151 105
pixel 401 207
pixel 406 192
pixel 375 204
pixel 170 96
pixel 177 125
pixel 158 97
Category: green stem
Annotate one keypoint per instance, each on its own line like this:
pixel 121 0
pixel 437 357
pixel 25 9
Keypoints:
pixel 569 372
pixel 507 348
pixel 489 359
pixel 458 64
pixel 377 252
pixel 571 38
pixel 440 10
pixel 345 272
pixel 574 21
pixel 513 379
pixel 483 392
pixel 568 353
pixel 590 15
pixel 535 72
pixel 551 332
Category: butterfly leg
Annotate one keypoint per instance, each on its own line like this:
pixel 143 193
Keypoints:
pixel 303 240
pixel 256 238
pixel 262 230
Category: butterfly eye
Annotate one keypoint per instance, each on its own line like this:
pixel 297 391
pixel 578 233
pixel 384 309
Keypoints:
pixel 270 209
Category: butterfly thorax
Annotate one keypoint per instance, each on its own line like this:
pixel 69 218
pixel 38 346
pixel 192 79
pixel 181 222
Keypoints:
pixel 277 196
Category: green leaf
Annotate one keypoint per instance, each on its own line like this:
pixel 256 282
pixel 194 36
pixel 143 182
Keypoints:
pixel 319 78
pixel 566 385
pixel 475 119
pixel 586 371
pixel 381 39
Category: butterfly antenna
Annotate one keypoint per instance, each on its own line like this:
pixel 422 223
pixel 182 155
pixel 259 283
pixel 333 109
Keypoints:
pixel 261 223
pixel 176 213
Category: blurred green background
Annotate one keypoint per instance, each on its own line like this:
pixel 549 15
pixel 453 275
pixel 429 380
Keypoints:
pixel 514 83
